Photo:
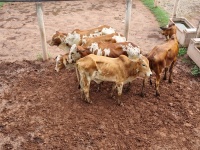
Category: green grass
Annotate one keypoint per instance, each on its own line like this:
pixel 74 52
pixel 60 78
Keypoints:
pixel 182 51
pixel 195 71
pixel 161 15
pixel 1 4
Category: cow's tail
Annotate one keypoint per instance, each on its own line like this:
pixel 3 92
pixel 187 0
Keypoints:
pixel 78 76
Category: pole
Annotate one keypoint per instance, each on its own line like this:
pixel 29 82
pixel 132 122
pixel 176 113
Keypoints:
pixel 128 17
pixel 175 9
pixel 198 31
pixel 155 3
pixel 42 29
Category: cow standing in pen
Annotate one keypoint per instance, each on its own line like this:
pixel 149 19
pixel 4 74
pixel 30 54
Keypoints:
pixel 119 70
pixel 163 57
pixel 65 40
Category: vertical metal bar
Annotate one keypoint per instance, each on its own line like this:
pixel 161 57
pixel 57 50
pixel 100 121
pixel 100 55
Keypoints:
pixel 198 31
pixel 128 17
pixel 175 9
pixel 42 29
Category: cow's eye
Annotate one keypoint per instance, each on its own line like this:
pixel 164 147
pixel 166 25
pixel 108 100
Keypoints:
pixel 143 65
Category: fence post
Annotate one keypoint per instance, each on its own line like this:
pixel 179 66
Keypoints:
pixel 198 31
pixel 155 3
pixel 128 17
pixel 175 9
pixel 42 29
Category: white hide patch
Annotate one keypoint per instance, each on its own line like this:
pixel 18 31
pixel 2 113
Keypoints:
pixel 73 54
pixel 73 38
pixel 131 50
pixel 119 38
pixel 107 31
pixel 94 47
pixel 107 52
pixel 58 58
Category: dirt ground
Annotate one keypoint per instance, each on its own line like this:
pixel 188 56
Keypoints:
pixel 42 109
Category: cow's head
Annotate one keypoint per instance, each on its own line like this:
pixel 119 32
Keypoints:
pixel 61 62
pixel 143 67
pixel 57 39
pixel 74 54
pixel 168 30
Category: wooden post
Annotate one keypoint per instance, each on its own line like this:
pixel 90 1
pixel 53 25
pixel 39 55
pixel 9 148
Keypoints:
pixel 128 17
pixel 155 3
pixel 198 31
pixel 175 9
pixel 42 29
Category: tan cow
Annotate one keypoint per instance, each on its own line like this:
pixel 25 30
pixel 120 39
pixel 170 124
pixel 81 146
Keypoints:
pixel 119 70
pixel 162 57
pixel 169 31
pixel 66 40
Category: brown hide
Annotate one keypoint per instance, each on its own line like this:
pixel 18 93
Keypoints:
pixel 169 31
pixel 89 31
pixel 163 57
pixel 115 49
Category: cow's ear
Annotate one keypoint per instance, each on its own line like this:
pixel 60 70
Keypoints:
pixel 163 28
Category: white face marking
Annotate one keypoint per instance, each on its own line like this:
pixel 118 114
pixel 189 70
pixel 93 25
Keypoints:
pixel 108 30
pixel 131 51
pixel 107 52
pixel 119 38
pixel 73 54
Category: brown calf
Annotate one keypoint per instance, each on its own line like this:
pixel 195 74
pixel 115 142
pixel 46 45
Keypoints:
pixel 169 31
pixel 162 57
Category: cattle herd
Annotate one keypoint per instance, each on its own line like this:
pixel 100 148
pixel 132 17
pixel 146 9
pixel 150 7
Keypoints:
pixel 101 54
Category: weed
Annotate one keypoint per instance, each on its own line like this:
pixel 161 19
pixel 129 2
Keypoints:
pixel 1 4
pixel 195 70
pixel 40 57
pixel 182 51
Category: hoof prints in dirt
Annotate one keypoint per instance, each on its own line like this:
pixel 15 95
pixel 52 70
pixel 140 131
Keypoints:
pixel 44 109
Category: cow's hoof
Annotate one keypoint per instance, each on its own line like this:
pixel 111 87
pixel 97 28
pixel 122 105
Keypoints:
pixel 170 81
pixel 142 94
pixel 157 94
pixel 120 104
pixel 164 78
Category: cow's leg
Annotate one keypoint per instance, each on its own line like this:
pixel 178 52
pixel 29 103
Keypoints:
pixel 127 87
pixel 165 75
pixel 119 90
pixel 157 83
pixel 150 81
pixel 171 71
pixel 85 86
pixel 113 89
pixel 143 87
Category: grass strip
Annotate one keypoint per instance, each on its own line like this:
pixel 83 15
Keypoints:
pixel 161 15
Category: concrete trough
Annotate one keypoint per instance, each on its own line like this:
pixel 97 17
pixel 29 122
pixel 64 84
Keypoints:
pixel 185 30
pixel 194 50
